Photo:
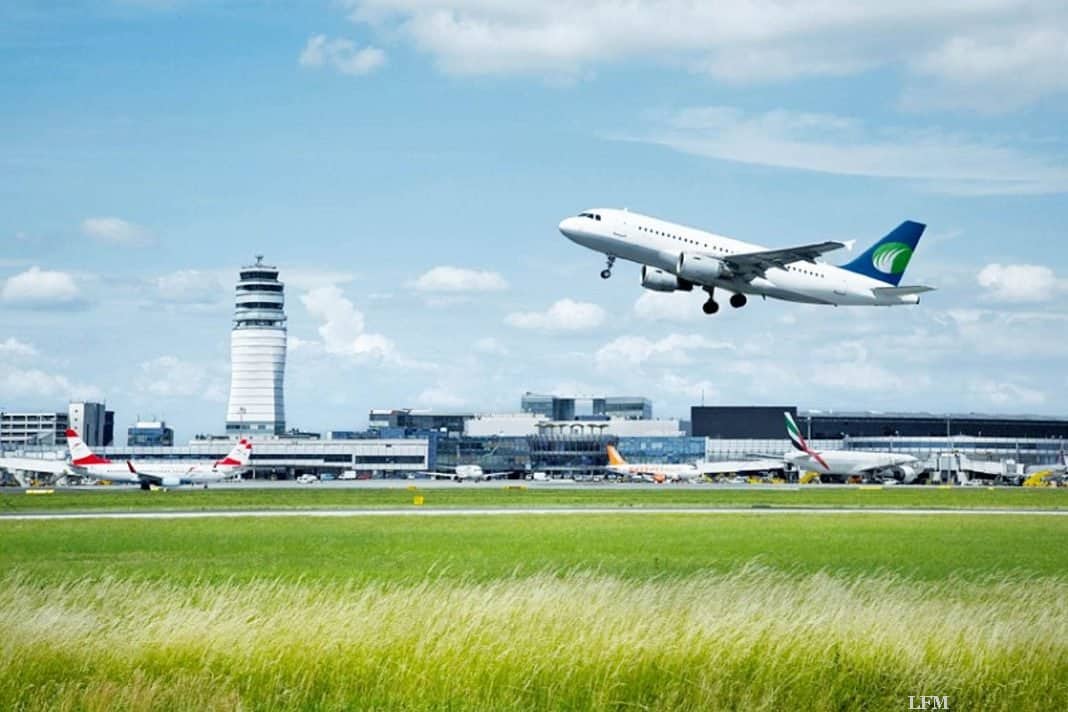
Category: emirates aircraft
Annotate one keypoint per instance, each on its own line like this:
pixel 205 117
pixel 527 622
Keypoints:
pixel 678 258
pixel 160 474
pixel 845 463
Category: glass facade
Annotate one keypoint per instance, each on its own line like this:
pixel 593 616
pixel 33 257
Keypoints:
pixel 149 435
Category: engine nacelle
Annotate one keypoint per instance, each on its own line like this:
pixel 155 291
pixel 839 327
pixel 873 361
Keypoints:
pixel 171 481
pixel 700 268
pixel 908 473
pixel 660 281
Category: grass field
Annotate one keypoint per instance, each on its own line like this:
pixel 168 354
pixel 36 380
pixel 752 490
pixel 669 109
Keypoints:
pixel 606 611
pixel 503 496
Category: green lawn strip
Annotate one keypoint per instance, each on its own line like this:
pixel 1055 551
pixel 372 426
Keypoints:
pixel 410 550
pixel 505 496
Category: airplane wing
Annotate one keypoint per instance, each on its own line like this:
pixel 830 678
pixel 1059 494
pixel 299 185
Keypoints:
pixel 749 265
pixel 35 464
pixel 738 466
pixel 901 291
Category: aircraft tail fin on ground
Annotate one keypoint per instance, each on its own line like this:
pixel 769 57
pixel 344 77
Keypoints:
pixel 887 259
pixel 80 454
pixel 239 455
pixel 614 458
pixel 799 442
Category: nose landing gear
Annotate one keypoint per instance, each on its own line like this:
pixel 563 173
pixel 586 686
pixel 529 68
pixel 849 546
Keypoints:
pixel 607 271
pixel 738 300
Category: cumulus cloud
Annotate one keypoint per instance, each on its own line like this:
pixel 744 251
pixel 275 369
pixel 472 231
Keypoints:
pixel 171 377
pixel 826 143
pixel 977 49
pixel 37 383
pixel 342 55
pixel 669 306
pixel 41 289
pixel 490 345
pixel 1019 283
pixel 12 347
pixel 638 350
pixel 458 279
pixel 1004 394
pixel 117 231
pixel 563 315
pixel 439 397
pixel 342 329
pixel 190 286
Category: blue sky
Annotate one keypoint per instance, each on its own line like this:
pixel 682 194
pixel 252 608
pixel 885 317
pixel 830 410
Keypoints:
pixel 405 164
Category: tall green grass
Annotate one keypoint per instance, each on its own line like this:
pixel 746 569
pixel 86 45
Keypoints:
pixel 753 638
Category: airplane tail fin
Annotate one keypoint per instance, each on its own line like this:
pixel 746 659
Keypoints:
pixel 794 433
pixel 239 455
pixel 887 259
pixel 614 458
pixel 80 454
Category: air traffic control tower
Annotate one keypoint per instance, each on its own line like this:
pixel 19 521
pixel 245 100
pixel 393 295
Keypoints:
pixel 258 354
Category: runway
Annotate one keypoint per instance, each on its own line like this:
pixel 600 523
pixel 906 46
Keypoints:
pixel 527 511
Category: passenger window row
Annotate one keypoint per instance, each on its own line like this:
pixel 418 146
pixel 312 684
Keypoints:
pixel 678 237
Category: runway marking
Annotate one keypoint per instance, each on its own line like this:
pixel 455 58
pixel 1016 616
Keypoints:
pixel 514 511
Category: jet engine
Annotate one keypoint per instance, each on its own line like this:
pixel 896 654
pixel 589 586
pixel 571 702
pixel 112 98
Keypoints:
pixel 660 281
pixel 908 473
pixel 700 268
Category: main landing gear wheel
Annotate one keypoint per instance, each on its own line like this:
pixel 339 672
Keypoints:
pixel 607 271
pixel 710 307
pixel 738 301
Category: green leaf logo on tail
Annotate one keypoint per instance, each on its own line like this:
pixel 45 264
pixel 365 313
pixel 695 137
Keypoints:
pixel 891 258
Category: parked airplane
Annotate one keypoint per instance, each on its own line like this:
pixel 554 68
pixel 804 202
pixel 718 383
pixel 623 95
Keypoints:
pixel 845 463
pixel 675 257
pixel 472 473
pixel 161 474
pixel 660 472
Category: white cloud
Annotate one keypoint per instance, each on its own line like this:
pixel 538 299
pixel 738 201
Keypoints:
pixel 1019 283
pixel 117 231
pixel 341 54
pixel 36 383
pixel 1025 62
pixel 563 315
pixel 490 345
pixel 342 330
pixel 825 143
pixel 311 278
pixel 1006 394
pixel 12 347
pixel 977 48
pixel 171 377
pixel 458 279
pixel 439 397
pixel 41 289
pixel 191 286
pixel 628 351
pixel 670 306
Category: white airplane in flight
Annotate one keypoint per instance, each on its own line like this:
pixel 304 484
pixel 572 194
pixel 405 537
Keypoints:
pixel 846 463
pixel 83 461
pixel 675 257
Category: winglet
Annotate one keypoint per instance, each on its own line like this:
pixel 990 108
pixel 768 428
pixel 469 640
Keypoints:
pixel 129 465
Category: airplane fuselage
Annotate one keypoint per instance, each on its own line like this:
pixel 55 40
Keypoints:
pixel 658 244
pixel 850 462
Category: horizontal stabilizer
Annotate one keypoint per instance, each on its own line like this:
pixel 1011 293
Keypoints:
pixel 901 291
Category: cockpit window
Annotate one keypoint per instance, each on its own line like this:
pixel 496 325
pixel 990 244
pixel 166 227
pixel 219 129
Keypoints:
pixel 591 216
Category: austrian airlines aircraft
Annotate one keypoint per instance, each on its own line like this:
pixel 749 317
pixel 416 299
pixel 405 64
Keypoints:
pixel 161 474
pixel 675 257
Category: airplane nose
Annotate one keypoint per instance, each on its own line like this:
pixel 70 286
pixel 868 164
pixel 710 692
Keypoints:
pixel 569 228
